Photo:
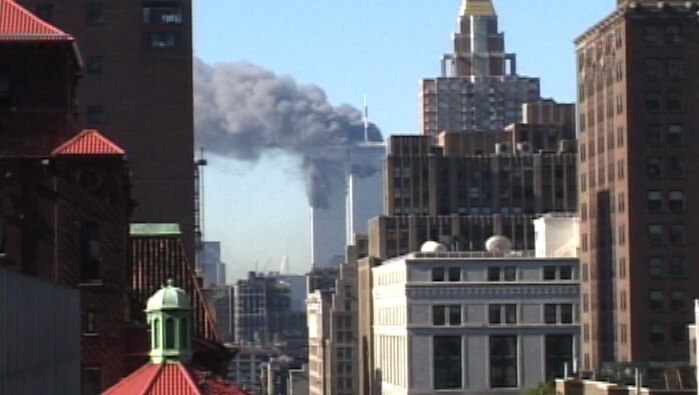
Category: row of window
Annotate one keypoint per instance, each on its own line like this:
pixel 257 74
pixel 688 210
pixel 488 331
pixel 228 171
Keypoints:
pixel 659 267
pixel 503 273
pixel 657 135
pixel 154 13
pixel 502 313
pixel 670 34
pixel 448 368
pixel 658 200
pixel 660 67
pixel 670 100
pixel 657 333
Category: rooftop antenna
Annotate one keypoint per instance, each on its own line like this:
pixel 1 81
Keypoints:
pixel 199 165
pixel 366 120
pixel 284 267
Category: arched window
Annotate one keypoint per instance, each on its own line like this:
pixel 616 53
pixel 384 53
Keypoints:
pixel 5 87
pixel 183 333
pixel 156 333
pixel 90 252
pixel 169 333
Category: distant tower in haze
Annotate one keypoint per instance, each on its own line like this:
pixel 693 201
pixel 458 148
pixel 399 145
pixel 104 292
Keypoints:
pixel 479 87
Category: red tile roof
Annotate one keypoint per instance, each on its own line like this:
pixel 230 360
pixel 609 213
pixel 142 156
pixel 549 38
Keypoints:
pixel 172 379
pixel 18 24
pixel 88 142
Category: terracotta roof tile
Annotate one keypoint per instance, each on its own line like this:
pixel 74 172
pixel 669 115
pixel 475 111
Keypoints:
pixel 18 24
pixel 172 379
pixel 88 142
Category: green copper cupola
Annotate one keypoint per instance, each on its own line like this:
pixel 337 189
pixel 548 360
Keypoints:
pixel 169 315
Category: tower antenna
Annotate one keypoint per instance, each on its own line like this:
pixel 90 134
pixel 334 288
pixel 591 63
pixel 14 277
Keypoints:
pixel 366 120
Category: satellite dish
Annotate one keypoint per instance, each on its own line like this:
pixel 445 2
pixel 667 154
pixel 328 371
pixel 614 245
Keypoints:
pixel 498 244
pixel 433 247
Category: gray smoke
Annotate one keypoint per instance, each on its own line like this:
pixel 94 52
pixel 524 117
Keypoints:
pixel 242 110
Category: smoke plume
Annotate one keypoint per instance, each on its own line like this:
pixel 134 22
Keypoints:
pixel 242 110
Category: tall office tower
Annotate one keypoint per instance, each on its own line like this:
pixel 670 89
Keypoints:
pixel 364 186
pixel 352 198
pixel 479 87
pixel 214 271
pixel 637 134
pixel 137 89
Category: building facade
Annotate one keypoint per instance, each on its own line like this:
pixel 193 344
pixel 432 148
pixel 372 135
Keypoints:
pixel 473 323
pixel 470 186
pixel 213 269
pixel 636 177
pixel 479 87
pixel 137 88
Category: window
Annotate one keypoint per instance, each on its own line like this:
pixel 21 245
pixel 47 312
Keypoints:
pixel 162 13
pixel 454 274
pixel 656 300
pixel 674 134
pixel 566 313
pixel 675 69
pixel 45 11
pixel 657 333
pixel 494 316
pixel 156 333
pixel 183 333
pixel 678 235
pixel 549 272
pixel 559 352
pixel 90 324
pixel 654 168
pixel 673 34
pixel 510 273
pixel 652 101
pixel 163 39
pixel 678 300
pixel 654 135
pixel 94 14
pixel 675 167
pixel 446 315
pixel 676 201
pixel 679 332
pixel 91 381
pixel 95 64
pixel 655 235
pixel 657 267
pixel 678 267
pixel 90 252
pixel 654 68
pixel 566 272
pixel 438 274
pixel 169 333
pixel 5 87
pixel 447 362
pixel 95 114
pixel 653 35
pixel 502 313
pixel 438 315
pixel 550 314
pixel 674 100
pixel 655 200
pixel 503 361
pixel 493 274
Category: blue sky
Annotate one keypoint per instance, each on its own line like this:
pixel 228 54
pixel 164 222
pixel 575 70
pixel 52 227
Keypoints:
pixel 379 47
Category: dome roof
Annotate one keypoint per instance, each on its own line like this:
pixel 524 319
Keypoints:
pixel 498 244
pixel 168 298
pixel 433 247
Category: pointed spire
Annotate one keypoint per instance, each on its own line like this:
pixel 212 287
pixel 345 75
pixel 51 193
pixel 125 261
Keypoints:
pixel 477 8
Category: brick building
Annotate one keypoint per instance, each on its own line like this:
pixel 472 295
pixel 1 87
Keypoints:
pixel 637 173
pixel 64 198
pixel 137 89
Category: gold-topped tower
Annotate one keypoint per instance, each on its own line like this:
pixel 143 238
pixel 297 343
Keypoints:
pixel 477 8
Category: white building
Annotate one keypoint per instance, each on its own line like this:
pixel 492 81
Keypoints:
pixel 473 323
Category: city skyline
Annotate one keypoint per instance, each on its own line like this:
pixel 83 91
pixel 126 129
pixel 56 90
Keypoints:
pixel 330 61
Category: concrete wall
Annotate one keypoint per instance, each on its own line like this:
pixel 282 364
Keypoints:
pixel 39 337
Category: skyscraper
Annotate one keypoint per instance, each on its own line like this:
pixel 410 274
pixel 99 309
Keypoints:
pixel 353 198
pixel 137 89
pixel 478 87
pixel 637 121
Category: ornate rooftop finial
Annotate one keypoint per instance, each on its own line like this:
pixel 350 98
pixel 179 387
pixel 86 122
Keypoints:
pixel 477 8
